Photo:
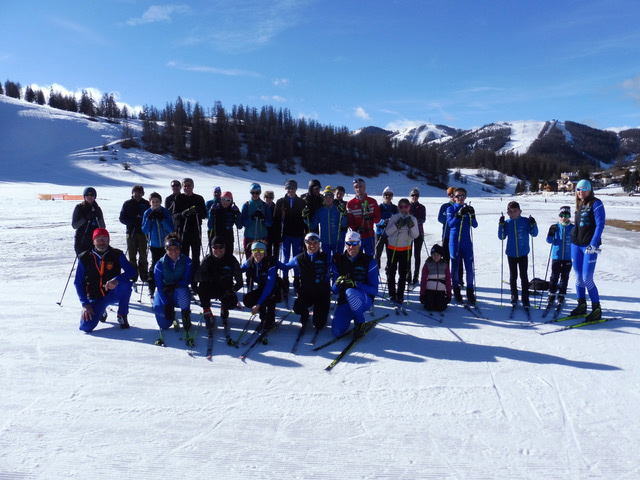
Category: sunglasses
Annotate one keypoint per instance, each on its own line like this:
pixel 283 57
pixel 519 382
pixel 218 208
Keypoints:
pixel 256 192
pixel 415 195
pixel 225 199
pixel 258 250
pixel 461 196
pixel 217 247
pixel 89 195
pixel 582 189
pixel 352 244
pixel 388 194
pixel 565 215
pixel 311 241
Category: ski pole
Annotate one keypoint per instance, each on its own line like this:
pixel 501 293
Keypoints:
pixel 545 275
pixel 68 278
pixel 533 265
pixel 501 260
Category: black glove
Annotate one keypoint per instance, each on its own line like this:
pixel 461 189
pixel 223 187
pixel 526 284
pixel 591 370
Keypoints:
pixel 342 209
pixel 532 221
pixel 471 210
pixel 258 215
pixel 400 222
pixel 189 212
pixel 367 217
pixel 345 281
pixel 462 212
pixel 409 222
pixel 306 211
pixel 501 221
pixel 552 230
pixel 156 215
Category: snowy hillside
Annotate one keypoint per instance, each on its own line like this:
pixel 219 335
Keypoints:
pixel 468 398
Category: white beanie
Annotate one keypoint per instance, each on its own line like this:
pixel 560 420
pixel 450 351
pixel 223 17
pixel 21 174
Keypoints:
pixel 352 236
pixel 387 190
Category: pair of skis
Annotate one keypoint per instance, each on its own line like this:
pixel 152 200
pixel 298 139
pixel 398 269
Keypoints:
pixel 581 324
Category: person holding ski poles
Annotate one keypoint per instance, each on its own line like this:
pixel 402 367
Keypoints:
pixel 517 230
pixel 131 216
pixel 188 212
pixel 157 223
pixel 586 239
pixel 211 206
pixel 362 214
pixel 419 212
pixel 559 236
pixel 461 218
pixel 225 217
pixel 103 278
pixel 273 232
pixel 387 210
pixel 332 224
pixel 87 216
pixel 313 200
pixel 172 275
pixel 356 284
pixel 263 284
pixel 442 218
pixel 256 219
pixel 401 232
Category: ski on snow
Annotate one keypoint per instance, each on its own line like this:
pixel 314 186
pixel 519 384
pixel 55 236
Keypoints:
pixel 581 324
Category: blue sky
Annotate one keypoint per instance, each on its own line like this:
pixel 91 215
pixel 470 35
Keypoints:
pixel 348 63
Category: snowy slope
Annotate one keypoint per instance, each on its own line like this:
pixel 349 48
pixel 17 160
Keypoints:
pixel 523 134
pixel 469 398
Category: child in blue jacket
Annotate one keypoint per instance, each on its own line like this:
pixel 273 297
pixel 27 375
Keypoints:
pixel 559 236
pixel 517 230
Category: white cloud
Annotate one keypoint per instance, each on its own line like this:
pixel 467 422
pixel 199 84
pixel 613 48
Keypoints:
pixel 361 113
pixel 281 82
pixel 230 72
pixel 273 98
pixel 159 13
pixel 632 87
pixel 403 124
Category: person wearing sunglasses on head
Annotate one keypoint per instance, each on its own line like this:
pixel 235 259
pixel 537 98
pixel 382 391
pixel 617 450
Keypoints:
pixel 559 236
pixel 586 238
pixel 263 284
pixel 219 277
pixel 356 284
pixel 461 218
pixel 363 213
pixel 256 219
pixel 314 291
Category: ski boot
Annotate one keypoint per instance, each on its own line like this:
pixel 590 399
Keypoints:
pixel 186 323
pixel 471 296
pixel 596 313
pixel 551 300
pixel 359 330
pixel 122 320
pixel 581 309
pixel 457 295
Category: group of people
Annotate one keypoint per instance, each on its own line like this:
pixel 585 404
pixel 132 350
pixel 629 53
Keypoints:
pixel 328 245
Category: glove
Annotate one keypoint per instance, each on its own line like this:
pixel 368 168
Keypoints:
pixel 591 250
pixel 409 222
pixel 156 215
pixel 306 211
pixel 385 222
pixel 470 210
pixel 532 221
pixel 400 222
pixel 552 230
pixel 462 212
pixel 501 221
pixel 345 281
pixel 367 217
pixel 258 215
pixel 189 212
pixel 342 209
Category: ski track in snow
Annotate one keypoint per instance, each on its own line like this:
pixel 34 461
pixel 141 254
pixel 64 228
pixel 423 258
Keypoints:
pixel 466 399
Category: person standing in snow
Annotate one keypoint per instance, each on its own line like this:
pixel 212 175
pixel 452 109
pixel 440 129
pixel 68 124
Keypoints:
pixel 176 188
pixel 355 283
pixel 103 278
pixel 331 223
pixel 87 216
pixel 586 239
pixel 211 206
pixel 387 210
pixel 223 218
pixel 402 230
pixel 273 232
pixel 157 223
pixel 256 219
pixel 313 200
pixel 517 230
pixel 420 214
pixel 435 282
pixel 559 236
pixel 362 214
pixel 131 215
pixel 461 218
pixel 442 218
pixel 341 205
pixel 172 278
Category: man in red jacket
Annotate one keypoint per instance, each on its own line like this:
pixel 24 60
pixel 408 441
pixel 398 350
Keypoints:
pixel 362 215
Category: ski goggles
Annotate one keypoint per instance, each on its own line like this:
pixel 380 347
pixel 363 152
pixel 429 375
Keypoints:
pixel 172 243
pixel 460 196
pixel 565 215
pixel 258 250
pixel 583 189
pixel 352 244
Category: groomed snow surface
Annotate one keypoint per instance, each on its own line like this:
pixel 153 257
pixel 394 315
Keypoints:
pixel 466 399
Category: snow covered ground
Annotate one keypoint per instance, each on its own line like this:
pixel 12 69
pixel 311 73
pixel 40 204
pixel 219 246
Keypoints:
pixel 466 399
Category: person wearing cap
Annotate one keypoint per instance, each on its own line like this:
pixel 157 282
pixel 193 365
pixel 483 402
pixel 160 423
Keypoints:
pixel 362 214
pixel 256 219
pixel 188 212
pixel 355 281
pixel 219 277
pixel 87 216
pixel 461 218
pixel 176 188
pixel 420 213
pixel 273 232
pixel 435 282
pixel 517 230
pixel 131 215
pixel 331 223
pixel 211 206
pixel 103 278
pixel 387 210
pixel 264 287
pixel 402 231
pixel 314 291
pixel 172 275
pixel 222 220
pixel 313 199
pixel 559 236
pixel 442 218
pixel 289 219
pixel 157 223
pixel 586 238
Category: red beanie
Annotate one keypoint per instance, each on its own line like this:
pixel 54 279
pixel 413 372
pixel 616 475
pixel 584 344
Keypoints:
pixel 99 231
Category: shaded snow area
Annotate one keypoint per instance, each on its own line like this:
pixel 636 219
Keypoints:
pixel 468 398
pixel 523 134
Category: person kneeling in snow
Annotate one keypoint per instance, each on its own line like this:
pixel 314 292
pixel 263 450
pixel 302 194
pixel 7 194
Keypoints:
pixel 356 284
pixel 103 278
pixel 172 275
pixel 435 283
